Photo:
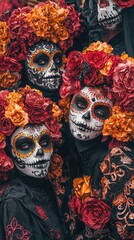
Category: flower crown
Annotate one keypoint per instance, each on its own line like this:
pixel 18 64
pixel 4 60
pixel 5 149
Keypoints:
pixel 21 107
pixel 96 66
pixel 124 4
pixel 56 22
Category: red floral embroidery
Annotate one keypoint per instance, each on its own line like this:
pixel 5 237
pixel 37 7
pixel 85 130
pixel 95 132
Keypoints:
pixel 55 234
pixel 41 212
pixel 16 231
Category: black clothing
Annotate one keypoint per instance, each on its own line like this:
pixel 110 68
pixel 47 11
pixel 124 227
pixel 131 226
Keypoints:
pixel 29 210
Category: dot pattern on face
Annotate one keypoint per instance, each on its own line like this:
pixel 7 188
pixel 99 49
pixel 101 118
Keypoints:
pixel 88 111
pixel 44 65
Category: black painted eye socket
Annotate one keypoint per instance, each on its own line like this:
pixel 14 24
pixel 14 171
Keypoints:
pixel 45 141
pixel 58 59
pixel 24 145
pixel 80 103
pixel 41 59
pixel 102 112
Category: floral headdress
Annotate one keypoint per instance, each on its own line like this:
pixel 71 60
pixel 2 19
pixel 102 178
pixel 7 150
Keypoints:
pixel 23 107
pixel 98 67
pixel 124 4
pixel 56 22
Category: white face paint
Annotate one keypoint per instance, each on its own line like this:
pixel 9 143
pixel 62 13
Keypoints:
pixel 109 14
pixel 88 111
pixel 32 150
pixel 44 65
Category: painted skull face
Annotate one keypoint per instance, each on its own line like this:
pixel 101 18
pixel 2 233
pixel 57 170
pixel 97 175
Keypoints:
pixel 109 14
pixel 88 111
pixel 44 65
pixel 32 150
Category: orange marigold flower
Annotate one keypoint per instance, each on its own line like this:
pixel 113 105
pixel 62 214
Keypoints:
pixel 4 34
pixel 13 97
pixel 125 56
pixel 65 105
pixel 8 80
pixel 120 125
pixel 2 137
pixel 2 48
pixel 107 67
pixel 99 46
pixel 47 21
pixel 82 187
pixel 57 113
pixel 17 115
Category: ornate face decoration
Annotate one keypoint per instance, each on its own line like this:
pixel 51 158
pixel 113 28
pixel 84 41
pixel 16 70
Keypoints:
pixel 32 150
pixel 88 111
pixel 44 65
pixel 109 14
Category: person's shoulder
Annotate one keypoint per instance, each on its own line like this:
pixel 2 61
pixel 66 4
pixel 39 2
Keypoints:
pixel 11 191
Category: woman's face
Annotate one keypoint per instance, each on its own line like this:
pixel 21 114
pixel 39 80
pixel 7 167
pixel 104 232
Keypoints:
pixel 109 14
pixel 32 150
pixel 88 111
pixel 44 65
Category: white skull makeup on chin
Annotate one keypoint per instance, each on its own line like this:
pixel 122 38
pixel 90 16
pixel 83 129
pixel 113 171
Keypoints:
pixel 44 65
pixel 88 111
pixel 32 150
pixel 109 14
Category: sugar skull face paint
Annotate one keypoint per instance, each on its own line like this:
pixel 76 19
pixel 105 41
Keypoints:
pixel 88 111
pixel 109 14
pixel 44 65
pixel 32 150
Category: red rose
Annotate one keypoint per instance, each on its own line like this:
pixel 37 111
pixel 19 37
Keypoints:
pixel 3 64
pixel 3 102
pixel 33 99
pixel 91 78
pixel 13 65
pixel 115 61
pixel 123 86
pixel 69 89
pixel 54 128
pixel 75 204
pixel 17 23
pixel 17 50
pixel 95 213
pixel 74 64
pixel 73 22
pixel 96 59
pixel 36 115
pixel 6 163
pixel 6 126
pixel 68 86
pixel 124 3
pixel 64 45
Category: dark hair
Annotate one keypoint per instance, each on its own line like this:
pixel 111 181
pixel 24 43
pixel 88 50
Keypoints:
pixel 128 27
